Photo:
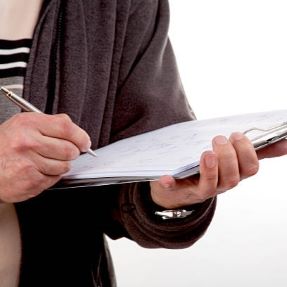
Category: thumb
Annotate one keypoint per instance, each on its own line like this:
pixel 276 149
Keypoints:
pixel 167 182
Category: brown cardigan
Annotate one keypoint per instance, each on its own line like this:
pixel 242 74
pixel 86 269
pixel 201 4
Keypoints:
pixel 110 66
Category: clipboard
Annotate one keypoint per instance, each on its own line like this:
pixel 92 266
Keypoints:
pixel 267 136
pixel 173 150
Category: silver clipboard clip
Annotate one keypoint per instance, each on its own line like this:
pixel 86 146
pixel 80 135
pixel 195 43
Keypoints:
pixel 267 136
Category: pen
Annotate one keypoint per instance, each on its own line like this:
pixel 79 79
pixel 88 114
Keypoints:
pixel 26 106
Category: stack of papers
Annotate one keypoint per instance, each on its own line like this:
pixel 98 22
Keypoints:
pixel 173 150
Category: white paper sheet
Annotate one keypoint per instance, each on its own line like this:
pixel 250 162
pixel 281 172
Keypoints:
pixel 167 151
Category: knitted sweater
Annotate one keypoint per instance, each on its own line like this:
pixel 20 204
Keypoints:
pixel 110 66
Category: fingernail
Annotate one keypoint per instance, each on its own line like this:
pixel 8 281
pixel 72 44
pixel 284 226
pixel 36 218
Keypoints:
pixel 88 146
pixel 210 160
pixel 220 140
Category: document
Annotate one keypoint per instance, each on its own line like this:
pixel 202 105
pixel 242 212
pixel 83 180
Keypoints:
pixel 173 150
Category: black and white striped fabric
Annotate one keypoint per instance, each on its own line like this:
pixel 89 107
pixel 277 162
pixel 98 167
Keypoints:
pixel 13 62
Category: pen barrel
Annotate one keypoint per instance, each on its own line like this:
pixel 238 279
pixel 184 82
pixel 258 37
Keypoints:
pixel 27 107
pixel 22 103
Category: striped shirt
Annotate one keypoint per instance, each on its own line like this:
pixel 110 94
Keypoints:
pixel 18 19
pixel 14 56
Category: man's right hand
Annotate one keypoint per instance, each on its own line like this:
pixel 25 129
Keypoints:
pixel 35 151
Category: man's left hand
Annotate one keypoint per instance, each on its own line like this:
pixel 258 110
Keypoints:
pixel 221 169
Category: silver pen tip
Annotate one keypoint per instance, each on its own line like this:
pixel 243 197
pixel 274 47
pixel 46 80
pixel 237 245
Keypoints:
pixel 91 152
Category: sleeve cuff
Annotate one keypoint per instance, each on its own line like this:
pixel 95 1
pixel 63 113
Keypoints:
pixel 149 230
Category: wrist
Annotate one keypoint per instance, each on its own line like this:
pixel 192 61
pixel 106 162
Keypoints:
pixel 170 211
pixel 171 197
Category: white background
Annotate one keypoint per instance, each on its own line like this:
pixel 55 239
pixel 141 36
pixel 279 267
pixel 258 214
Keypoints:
pixel 232 57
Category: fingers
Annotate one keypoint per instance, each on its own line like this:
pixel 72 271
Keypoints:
pixel 55 148
pixel 52 136
pixel 228 168
pixel 220 170
pixel 55 126
pixel 208 181
pixel 230 161
pixel 171 193
pixel 50 167
pixel 37 150
pixel 29 188
pixel 237 159
pixel 30 181
pixel 61 126
pixel 162 192
pixel 167 182
pixel 246 155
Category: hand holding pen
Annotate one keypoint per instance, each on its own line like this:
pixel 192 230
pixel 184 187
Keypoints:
pixel 35 151
pixel 27 107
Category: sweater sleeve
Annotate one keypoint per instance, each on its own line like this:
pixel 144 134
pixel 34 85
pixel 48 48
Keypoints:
pixel 144 227
pixel 151 93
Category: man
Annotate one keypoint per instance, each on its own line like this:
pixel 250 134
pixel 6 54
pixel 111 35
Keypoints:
pixel 109 66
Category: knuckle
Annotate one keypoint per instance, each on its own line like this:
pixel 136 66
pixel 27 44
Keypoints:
pixel 23 166
pixel 24 119
pixel 22 143
pixel 64 126
pixel 63 117
pixel 237 137
pixel 29 169
pixel 18 145
pixel 210 177
pixel 252 170
pixel 56 169
pixel 231 182
pixel 209 190
pixel 65 166
pixel 206 194
pixel 20 118
pixel 29 143
pixel 62 122
pixel 229 154
pixel 70 152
